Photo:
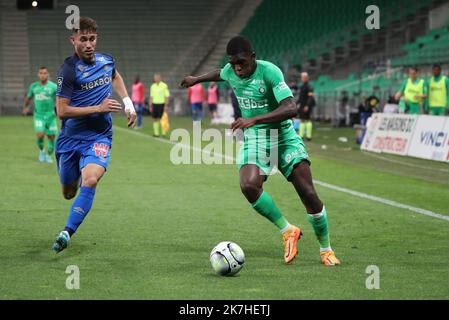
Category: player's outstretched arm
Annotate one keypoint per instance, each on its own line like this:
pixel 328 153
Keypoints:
pixel 26 105
pixel 119 87
pixel 64 110
pixel 286 110
pixel 210 76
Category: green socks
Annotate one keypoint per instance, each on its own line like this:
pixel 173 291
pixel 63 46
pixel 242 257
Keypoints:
pixel 40 143
pixel 156 128
pixel 266 207
pixel 50 146
pixel 321 228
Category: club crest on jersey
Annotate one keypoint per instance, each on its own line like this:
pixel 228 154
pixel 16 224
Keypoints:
pixel 261 90
pixel 101 149
pixel 81 68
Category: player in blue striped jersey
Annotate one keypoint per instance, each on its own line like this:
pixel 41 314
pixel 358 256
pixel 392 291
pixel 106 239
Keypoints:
pixel 84 89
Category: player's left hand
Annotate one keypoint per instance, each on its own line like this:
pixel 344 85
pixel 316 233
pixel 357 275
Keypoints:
pixel 241 123
pixel 132 116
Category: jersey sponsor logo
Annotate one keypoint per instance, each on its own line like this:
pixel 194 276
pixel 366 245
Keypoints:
pixel 248 103
pixel 96 83
pixel 100 149
pixel 42 96
pixel 60 80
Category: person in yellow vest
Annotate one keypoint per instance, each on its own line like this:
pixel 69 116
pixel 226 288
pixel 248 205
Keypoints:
pixel 438 89
pixel 159 97
pixel 413 93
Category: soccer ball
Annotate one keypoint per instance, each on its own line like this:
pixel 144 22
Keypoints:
pixel 227 258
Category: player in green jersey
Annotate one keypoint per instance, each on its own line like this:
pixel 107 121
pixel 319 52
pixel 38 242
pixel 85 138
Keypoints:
pixel 267 107
pixel 45 124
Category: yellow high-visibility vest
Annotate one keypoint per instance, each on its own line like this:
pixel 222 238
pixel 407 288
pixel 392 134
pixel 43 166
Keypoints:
pixel 414 89
pixel 437 92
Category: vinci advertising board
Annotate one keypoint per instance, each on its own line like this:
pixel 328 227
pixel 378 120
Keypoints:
pixel 431 139
pixel 391 133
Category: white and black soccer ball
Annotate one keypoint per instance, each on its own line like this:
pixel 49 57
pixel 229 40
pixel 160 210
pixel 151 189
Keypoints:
pixel 227 258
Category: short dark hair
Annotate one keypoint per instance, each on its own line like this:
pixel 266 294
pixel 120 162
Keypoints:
pixel 238 45
pixel 43 67
pixel 85 24
pixel 437 65
pixel 414 68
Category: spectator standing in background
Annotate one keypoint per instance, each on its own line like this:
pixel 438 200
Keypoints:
pixel 413 93
pixel 159 96
pixel 138 96
pixel 213 95
pixel 306 103
pixel 438 90
pixel 197 95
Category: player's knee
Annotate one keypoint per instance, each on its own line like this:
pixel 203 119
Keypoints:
pixel 51 137
pixel 90 181
pixel 249 189
pixel 40 135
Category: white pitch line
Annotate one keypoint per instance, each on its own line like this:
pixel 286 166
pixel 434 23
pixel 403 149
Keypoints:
pixel 405 163
pixel 318 182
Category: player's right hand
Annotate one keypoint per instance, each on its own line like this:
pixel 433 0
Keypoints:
pixel 109 105
pixel 188 81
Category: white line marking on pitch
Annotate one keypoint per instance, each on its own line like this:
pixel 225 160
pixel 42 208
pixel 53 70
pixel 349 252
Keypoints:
pixel 405 163
pixel 318 182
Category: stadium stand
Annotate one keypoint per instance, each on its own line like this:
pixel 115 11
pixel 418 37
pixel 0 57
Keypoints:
pixel 427 49
pixel 144 37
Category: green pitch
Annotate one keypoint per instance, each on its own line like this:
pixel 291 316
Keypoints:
pixel 153 225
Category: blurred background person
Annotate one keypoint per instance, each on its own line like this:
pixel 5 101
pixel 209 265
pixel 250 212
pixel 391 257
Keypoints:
pixel 306 103
pixel 213 95
pixel 235 105
pixel 138 97
pixel 45 122
pixel 159 98
pixel 413 92
pixel 438 89
pixel 391 106
pixel 197 95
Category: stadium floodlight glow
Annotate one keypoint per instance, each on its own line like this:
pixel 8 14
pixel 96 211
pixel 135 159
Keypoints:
pixel 34 4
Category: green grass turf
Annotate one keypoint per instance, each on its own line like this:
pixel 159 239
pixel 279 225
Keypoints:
pixel 153 225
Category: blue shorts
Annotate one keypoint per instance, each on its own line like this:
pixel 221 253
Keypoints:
pixel 73 155
pixel 197 106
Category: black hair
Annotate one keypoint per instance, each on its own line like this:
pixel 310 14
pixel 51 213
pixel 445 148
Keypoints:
pixel 414 68
pixel 437 65
pixel 238 45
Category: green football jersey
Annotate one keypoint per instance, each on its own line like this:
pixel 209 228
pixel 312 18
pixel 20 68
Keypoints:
pixel 44 96
pixel 261 93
